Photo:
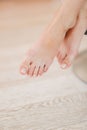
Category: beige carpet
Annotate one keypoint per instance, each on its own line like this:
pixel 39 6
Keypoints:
pixel 55 101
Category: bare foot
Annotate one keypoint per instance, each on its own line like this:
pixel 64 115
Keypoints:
pixel 40 57
pixel 69 48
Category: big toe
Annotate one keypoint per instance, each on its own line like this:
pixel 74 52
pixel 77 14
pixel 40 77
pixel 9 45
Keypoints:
pixel 23 69
pixel 68 61
pixel 66 64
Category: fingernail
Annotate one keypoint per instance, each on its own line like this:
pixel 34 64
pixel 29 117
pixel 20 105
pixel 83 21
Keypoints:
pixel 23 70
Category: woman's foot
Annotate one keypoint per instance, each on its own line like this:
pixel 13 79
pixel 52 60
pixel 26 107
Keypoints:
pixel 40 57
pixel 69 48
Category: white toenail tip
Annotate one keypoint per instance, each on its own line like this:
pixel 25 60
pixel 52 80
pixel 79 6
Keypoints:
pixel 23 70
pixel 63 66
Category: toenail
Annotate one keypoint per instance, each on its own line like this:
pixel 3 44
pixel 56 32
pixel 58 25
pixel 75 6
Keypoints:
pixel 23 70
pixel 64 66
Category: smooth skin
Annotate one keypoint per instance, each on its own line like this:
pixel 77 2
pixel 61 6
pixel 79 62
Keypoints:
pixel 70 46
pixel 40 57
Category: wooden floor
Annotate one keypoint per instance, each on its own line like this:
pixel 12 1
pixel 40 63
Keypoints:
pixel 55 101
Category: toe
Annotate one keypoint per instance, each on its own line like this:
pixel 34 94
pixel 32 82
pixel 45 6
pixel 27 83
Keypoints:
pixel 69 60
pixel 23 68
pixel 40 71
pixel 31 70
pixel 59 57
pixel 45 68
pixel 66 63
pixel 36 71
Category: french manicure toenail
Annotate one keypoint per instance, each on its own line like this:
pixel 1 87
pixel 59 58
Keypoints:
pixel 23 70
pixel 63 65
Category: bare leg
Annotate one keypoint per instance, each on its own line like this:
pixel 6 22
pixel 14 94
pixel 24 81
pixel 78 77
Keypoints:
pixel 40 57
pixel 69 48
